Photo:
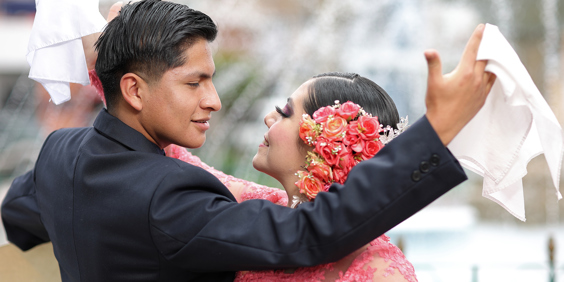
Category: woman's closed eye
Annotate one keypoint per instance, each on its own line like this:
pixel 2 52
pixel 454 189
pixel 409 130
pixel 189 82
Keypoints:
pixel 286 112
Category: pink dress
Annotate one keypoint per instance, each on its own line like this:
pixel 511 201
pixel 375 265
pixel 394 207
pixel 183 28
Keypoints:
pixel 379 260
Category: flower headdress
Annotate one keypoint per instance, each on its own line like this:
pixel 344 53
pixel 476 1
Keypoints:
pixel 342 136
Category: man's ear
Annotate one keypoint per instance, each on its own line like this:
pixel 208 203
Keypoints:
pixel 131 88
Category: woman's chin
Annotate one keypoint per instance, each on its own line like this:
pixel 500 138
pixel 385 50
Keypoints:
pixel 257 163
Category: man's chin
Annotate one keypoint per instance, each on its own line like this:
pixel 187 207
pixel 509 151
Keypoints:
pixel 192 144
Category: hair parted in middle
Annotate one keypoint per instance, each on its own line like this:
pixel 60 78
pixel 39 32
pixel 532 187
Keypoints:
pixel 148 38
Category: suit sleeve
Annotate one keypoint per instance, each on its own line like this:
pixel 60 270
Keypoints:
pixel 195 226
pixel 20 214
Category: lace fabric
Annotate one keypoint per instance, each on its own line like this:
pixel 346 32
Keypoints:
pixel 378 260
pixel 242 189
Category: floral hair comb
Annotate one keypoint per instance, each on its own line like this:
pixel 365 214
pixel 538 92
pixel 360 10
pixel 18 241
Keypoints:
pixel 342 136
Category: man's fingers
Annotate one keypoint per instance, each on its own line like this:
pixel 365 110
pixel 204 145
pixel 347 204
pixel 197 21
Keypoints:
pixel 480 68
pixel 114 11
pixel 434 65
pixel 490 78
pixel 471 51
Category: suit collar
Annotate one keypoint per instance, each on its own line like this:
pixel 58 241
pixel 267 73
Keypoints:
pixel 115 129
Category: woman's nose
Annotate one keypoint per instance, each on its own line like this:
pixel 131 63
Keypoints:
pixel 270 119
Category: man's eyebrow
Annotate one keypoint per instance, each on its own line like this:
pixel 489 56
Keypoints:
pixel 199 74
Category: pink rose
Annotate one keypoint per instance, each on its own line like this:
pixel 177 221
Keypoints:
pixel 328 149
pixel 371 148
pixel 335 128
pixel 321 115
pixel 348 110
pixel 369 127
pixel 352 128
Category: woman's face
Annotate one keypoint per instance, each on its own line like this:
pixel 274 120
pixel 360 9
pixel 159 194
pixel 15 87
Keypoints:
pixel 281 154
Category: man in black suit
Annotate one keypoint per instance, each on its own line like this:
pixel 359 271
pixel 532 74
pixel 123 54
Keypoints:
pixel 117 209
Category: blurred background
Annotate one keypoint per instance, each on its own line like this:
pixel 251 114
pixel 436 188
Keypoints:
pixel 267 48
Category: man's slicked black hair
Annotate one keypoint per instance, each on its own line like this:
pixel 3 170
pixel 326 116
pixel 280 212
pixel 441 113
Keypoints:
pixel 148 38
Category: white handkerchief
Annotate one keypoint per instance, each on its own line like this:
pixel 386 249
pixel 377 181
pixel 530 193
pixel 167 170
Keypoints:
pixel 514 126
pixel 55 51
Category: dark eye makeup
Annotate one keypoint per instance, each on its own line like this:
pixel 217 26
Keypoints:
pixel 286 112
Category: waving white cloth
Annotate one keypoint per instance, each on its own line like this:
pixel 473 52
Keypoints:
pixel 55 51
pixel 515 125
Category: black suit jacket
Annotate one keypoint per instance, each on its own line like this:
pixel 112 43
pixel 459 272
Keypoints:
pixel 117 209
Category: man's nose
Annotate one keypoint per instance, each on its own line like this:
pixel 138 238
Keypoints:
pixel 211 100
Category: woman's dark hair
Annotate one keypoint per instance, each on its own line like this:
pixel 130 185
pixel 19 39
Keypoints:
pixel 328 87
pixel 148 38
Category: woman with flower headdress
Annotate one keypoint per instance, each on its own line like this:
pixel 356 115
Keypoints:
pixel 312 142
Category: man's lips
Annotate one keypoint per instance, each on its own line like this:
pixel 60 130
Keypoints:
pixel 203 124
pixel 202 120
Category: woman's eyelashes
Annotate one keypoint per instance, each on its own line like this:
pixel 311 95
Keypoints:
pixel 286 112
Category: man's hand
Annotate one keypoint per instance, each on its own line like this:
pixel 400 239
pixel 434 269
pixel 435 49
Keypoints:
pixel 453 99
pixel 89 40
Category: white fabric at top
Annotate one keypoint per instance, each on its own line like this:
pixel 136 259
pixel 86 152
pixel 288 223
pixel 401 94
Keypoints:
pixel 55 51
pixel 515 125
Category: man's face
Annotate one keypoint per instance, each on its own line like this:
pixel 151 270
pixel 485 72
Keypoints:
pixel 177 108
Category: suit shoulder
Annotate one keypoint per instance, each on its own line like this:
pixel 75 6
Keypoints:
pixel 191 175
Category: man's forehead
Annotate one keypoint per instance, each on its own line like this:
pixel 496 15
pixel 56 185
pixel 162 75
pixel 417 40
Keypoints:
pixel 199 61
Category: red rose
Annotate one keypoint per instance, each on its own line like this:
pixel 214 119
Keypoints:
pixel 346 160
pixel 369 127
pixel 354 142
pixel 321 115
pixel 308 131
pixel 321 171
pixel 335 127
pixel 309 185
pixel 328 149
pixel 371 148
pixel 340 175
pixel 348 110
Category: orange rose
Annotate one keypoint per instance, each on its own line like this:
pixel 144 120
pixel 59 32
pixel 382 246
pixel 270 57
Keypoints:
pixel 320 170
pixel 308 185
pixel 335 127
pixel 308 131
